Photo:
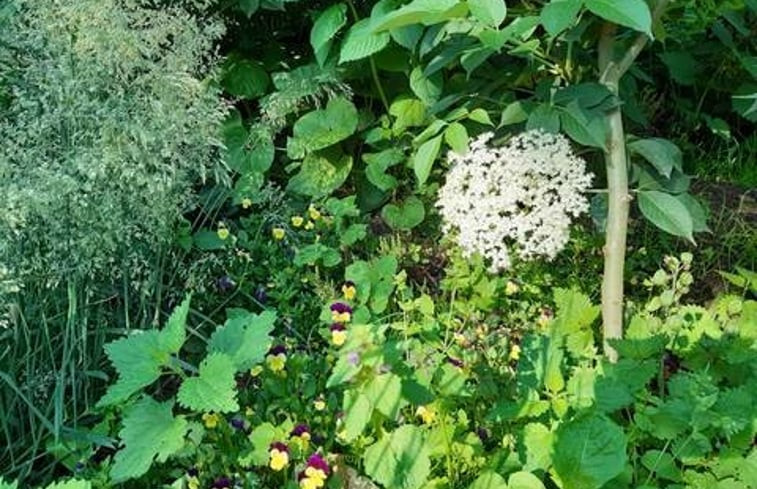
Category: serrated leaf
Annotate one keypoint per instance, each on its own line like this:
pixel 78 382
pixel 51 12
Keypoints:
pixel 456 136
pixel 538 442
pixel 588 452
pixel 629 13
pixel 322 128
pixel 357 413
pixel 663 154
pixel 150 432
pixel 214 389
pixel 490 12
pixel 175 331
pixel 361 42
pixel 245 338
pixel 667 213
pixel 424 158
pixel 399 460
pixel 326 26
pixel 321 173
pixel 559 15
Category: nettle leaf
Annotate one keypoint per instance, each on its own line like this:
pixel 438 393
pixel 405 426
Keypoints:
pixel 629 13
pixel 385 394
pixel 214 389
pixel 378 164
pixel 559 15
pixel 322 128
pixel 489 480
pixel 326 26
pixel 399 460
pixel 245 78
pixel 588 452
pixel 362 41
pixel 424 158
pixel 405 215
pixel 357 413
pixel 427 12
pixel 490 12
pixel 663 154
pixel 245 338
pixel 321 173
pixel 667 213
pixel 150 432
pixel 538 442
pixel 139 358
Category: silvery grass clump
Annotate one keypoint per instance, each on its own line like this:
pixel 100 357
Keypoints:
pixel 517 199
pixel 109 117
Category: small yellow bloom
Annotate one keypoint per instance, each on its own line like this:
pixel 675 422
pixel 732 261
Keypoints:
pixel 319 404
pixel 276 362
pixel 256 370
pixel 427 414
pixel 309 225
pixel 246 203
pixel 278 234
pixel 279 459
pixel 193 482
pixel 312 482
pixel 248 411
pixel 349 291
pixel 210 420
pixel 341 317
pixel 313 213
pixel 460 339
pixel 223 233
pixel 511 288
pixel 338 337
pixel 297 221
pixel 514 353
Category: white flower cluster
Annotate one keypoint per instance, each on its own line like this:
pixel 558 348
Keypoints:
pixel 517 198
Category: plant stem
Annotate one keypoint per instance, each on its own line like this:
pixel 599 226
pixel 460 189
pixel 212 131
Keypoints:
pixel 618 199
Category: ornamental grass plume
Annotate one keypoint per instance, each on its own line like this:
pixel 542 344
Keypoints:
pixel 517 199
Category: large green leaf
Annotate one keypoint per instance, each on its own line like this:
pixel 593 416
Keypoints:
pixel 244 77
pixel 667 213
pixel 321 173
pixel 456 136
pixel 405 215
pixel 150 432
pixel 246 151
pixel 427 12
pixel 322 128
pixel 682 65
pixel 69 484
pixel 385 394
pixel 357 413
pixel 588 452
pixel 245 338
pixel 697 212
pixel 538 442
pixel 399 460
pixel 524 480
pixel 584 128
pixel 408 112
pixel 326 26
pixel 491 12
pixel 424 158
pixel 427 88
pixel 139 358
pixel 361 41
pixel 663 154
pixel 559 15
pixel 630 13
pixel 214 389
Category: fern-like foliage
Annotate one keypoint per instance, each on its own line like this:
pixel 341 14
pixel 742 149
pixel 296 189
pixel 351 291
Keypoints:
pixel 108 121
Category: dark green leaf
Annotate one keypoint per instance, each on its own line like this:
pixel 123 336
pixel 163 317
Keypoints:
pixel 378 163
pixel 361 42
pixel 326 26
pixel 667 213
pixel 245 78
pixel 249 7
pixel 661 153
pixel 559 15
pixel 582 127
pixel 404 216
pixel 630 13
pixel 425 12
pixel 424 158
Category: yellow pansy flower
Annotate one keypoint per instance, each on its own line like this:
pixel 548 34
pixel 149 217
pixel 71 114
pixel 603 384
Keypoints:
pixel 210 420
pixel 278 456
pixel 514 353
pixel 256 370
pixel 319 404
pixel 278 233
pixel 313 213
pixel 426 413
pixel 309 225
pixel 246 203
pixel 297 221
pixel 349 291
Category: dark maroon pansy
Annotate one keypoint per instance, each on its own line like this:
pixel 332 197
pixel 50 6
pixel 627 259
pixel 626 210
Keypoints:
pixel 318 462
pixel 341 308
pixel 338 327
pixel 455 361
pixel 300 430
pixel 222 483
pixel 277 445
pixel 277 350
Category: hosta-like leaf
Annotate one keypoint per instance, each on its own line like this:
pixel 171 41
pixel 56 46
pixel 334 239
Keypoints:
pixel 321 173
pixel 150 432
pixel 326 26
pixel 322 128
pixel 399 460
pixel 405 215
pixel 245 338
pixel 361 41
pixel 588 452
pixel 630 13
pixel 214 389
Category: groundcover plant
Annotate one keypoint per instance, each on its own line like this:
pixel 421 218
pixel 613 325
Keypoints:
pixel 400 244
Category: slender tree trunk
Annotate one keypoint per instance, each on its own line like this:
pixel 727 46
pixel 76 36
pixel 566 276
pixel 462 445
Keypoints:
pixel 618 196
